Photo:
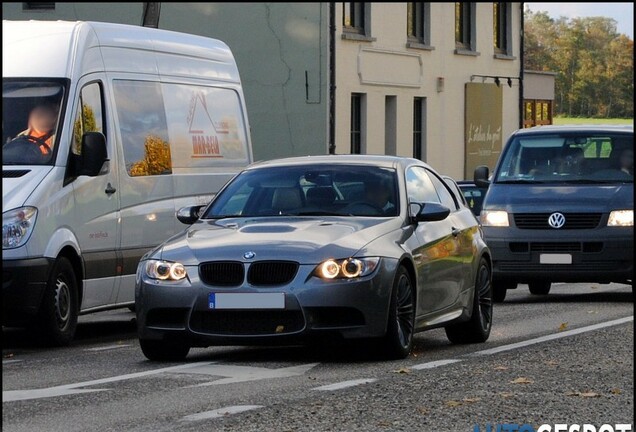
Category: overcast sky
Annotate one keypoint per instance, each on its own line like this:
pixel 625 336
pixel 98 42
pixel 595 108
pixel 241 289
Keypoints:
pixel 623 13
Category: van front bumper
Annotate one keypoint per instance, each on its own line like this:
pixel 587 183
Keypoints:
pixel 603 256
pixel 23 285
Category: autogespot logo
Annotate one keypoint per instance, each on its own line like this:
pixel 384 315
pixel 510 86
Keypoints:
pixel 511 427
pixel 556 220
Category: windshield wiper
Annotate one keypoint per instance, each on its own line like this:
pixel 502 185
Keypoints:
pixel 519 181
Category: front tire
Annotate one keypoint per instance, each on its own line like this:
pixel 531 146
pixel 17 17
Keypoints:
pixel 539 288
pixel 477 329
pixel 57 319
pixel 398 341
pixel 163 351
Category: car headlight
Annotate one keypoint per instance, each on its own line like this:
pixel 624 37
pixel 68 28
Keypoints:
pixel 495 218
pixel 17 226
pixel 624 218
pixel 164 270
pixel 348 268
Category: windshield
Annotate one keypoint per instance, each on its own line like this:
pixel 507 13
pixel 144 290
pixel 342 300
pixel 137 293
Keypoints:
pixel 30 120
pixel 309 190
pixel 568 158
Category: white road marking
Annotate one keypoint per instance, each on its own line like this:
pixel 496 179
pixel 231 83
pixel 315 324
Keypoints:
pixel 221 412
pixel 108 347
pixel 433 364
pixel 4 362
pixel 236 374
pixel 553 336
pixel 345 384
pixel 68 389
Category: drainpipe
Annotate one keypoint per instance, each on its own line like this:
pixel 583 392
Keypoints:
pixel 522 108
pixel 332 78
pixel 150 16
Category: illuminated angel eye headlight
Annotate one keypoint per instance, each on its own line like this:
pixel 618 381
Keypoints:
pixel 329 269
pixel 348 268
pixel 352 267
pixel 623 218
pixel 165 270
pixel 495 218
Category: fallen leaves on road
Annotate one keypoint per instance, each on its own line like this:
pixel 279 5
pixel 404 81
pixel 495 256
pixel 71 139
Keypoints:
pixel 563 326
pixel 501 367
pixel 521 380
pixel 403 370
pixel 452 403
pixel 506 394
pixel 588 394
pixel 552 363
pixel 615 391
pixel 471 400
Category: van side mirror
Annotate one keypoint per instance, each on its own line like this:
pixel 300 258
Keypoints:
pixel 93 155
pixel 480 177
pixel 189 215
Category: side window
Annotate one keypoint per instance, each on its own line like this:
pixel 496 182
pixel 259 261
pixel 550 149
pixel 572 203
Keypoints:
pixel 143 126
pixel 89 116
pixel 445 196
pixel 419 186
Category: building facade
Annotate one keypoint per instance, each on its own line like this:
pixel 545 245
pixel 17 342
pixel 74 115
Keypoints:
pixel 441 82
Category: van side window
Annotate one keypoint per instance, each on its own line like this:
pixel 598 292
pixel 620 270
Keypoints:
pixel 419 186
pixel 143 126
pixel 89 118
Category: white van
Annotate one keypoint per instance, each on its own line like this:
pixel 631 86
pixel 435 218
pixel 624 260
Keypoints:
pixel 130 124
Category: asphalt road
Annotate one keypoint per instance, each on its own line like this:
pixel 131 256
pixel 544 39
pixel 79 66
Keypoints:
pixel 561 359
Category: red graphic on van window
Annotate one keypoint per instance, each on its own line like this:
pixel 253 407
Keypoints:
pixel 203 129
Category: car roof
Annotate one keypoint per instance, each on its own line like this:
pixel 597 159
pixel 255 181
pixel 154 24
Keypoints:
pixel 595 128
pixel 375 160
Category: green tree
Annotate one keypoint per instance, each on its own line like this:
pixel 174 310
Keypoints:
pixel 156 160
pixel 593 62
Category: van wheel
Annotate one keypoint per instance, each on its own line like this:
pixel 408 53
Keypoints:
pixel 57 318
pixel 539 288
pixel 477 329
pixel 163 351
pixel 398 341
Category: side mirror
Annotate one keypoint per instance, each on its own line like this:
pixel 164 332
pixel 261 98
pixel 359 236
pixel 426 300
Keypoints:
pixel 93 156
pixel 189 215
pixel 480 177
pixel 428 212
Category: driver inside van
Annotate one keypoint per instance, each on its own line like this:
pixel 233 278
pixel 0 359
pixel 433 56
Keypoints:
pixel 41 127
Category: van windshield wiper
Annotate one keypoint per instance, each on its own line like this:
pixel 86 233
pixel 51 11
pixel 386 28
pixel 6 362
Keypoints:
pixel 519 181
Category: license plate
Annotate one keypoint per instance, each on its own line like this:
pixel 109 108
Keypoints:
pixel 246 301
pixel 555 259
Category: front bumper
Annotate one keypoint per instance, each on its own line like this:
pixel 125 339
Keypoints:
pixel 23 285
pixel 601 255
pixel 356 308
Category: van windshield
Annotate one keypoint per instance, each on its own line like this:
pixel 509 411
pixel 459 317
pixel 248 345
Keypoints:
pixel 30 120
pixel 568 158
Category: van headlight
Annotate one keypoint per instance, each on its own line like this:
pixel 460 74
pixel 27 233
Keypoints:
pixel 494 218
pixel 621 218
pixel 164 270
pixel 348 268
pixel 17 226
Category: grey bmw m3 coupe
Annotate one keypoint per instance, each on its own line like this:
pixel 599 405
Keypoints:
pixel 363 247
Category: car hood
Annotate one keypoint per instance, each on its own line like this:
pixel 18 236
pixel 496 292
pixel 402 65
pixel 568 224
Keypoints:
pixel 305 240
pixel 19 182
pixel 564 198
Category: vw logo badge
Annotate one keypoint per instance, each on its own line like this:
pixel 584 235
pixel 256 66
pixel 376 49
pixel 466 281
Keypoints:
pixel 556 220
pixel 249 255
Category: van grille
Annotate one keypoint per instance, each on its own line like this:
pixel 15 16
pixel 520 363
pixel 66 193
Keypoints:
pixel 572 220
pixel 272 272
pixel 222 273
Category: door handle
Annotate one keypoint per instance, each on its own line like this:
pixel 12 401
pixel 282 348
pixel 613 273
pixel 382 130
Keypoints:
pixel 110 189
pixel 455 231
